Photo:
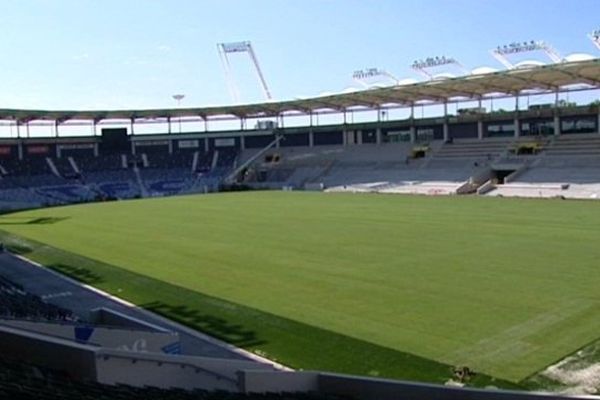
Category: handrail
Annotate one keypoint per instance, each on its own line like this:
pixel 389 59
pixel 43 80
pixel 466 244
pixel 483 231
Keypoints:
pixel 103 353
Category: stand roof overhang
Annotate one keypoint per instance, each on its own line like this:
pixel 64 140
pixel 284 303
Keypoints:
pixel 548 78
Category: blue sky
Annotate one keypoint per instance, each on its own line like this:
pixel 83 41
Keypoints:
pixel 79 54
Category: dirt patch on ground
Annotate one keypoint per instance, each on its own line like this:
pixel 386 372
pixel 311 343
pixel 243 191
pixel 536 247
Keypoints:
pixel 578 373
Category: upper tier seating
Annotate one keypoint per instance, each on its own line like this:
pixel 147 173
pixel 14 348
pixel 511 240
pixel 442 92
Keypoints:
pixel 204 163
pixel 575 145
pixel 227 157
pixel 27 167
pixel 116 183
pixel 561 175
pixel 181 160
pixel 35 183
pixel 100 163
pixel 64 167
pixel 474 148
pixel 398 167
pixel 158 181
pixel 338 167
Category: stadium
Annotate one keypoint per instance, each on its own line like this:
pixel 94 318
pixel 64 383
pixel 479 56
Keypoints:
pixel 338 246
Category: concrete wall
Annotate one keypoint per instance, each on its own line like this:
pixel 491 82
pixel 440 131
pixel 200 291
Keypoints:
pixel 189 372
pixel 363 388
pixel 141 372
pixel 165 371
pixel 132 340
pixel 277 382
pixel 383 389
pixel 76 359
pixel 88 362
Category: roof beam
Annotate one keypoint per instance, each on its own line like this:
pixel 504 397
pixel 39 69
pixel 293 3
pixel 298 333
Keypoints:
pixel 450 92
pixel 99 118
pixel 305 110
pixel 494 88
pixel 581 78
pixel 464 93
pixel 63 118
pixel 270 109
pixel 326 104
pixel 239 114
pixel 365 103
pixel 417 96
pixel 543 85
pixel 377 100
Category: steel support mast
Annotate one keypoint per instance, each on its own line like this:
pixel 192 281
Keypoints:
pixel 595 38
pixel 240 47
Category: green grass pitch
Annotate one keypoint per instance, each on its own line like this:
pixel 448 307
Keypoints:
pixel 400 286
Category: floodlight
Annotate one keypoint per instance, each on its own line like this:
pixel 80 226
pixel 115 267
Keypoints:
pixel 369 73
pixel 422 66
pixel 501 53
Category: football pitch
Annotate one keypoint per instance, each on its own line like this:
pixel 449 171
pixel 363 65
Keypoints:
pixel 400 286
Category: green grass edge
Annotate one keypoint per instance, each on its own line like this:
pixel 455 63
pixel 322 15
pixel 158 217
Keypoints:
pixel 294 344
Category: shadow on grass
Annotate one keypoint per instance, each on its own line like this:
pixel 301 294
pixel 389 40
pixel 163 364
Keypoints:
pixel 210 324
pixel 81 274
pixel 30 221
pixel 46 220
pixel 18 248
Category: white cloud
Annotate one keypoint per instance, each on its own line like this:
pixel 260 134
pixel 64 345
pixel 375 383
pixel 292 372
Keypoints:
pixel 80 57
pixel 137 61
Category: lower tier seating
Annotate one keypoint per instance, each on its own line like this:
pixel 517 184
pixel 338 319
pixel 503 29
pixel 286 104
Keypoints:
pixel 20 380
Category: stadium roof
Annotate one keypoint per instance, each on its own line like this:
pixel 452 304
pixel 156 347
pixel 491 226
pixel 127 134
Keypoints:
pixel 548 78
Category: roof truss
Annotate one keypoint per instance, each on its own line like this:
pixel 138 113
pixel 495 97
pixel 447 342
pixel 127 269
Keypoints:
pixel 554 77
